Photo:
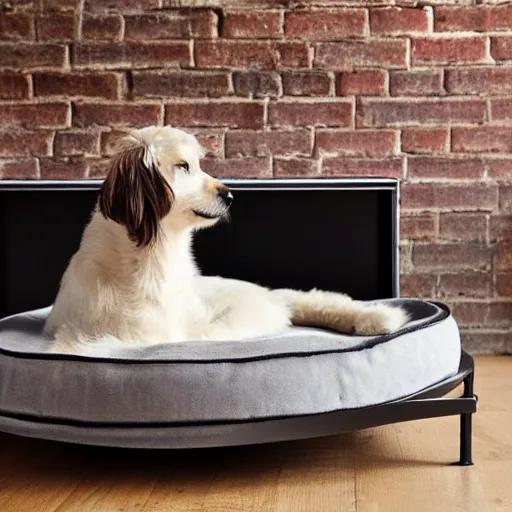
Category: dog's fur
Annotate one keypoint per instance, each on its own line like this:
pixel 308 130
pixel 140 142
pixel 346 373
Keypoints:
pixel 133 280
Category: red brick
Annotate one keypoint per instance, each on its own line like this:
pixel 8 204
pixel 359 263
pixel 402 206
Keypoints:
pixel 418 285
pixel 306 83
pixel 101 85
pixel 504 254
pixel 101 28
pixel 476 19
pixel 402 112
pixel 115 114
pixel 456 50
pixel 246 4
pixel 109 141
pixel 363 82
pixel 19 169
pixel 70 168
pixel 25 143
pixel 499 168
pixel 466 284
pixel 372 143
pixel 469 313
pixel 76 143
pixel 255 84
pixel 501 48
pixel 244 143
pixel 26 6
pixel 326 24
pixel 180 83
pixel 503 281
pixel 103 5
pixel 171 25
pixel 482 342
pixel 461 18
pixel 244 114
pixel 505 192
pixel 343 166
pixel 324 113
pixel 405 256
pixel 397 21
pixel 20 55
pixel 482 139
pixel 56 27
pixel 15 26
pixel 252 25
pixel 461 226
pixel 211 141
pixel 500 17
pixel 454 256
pixel 35 115
pixel 292 54
pixel 344 56
pixel 238 167
pixel 132 55
pixel 425 140
pixel 499 314
pixel 505 198
pixel 295 167
pixel 454 197
pixel 13 86
pixel 61 5
pixel 97 168
pixel 488 80
pixel 501 110
pixel 500 227
pixel 416 83
pixel 418 227
pixel 236 54
pixel 445 167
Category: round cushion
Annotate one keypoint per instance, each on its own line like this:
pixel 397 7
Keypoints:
pixel 302 371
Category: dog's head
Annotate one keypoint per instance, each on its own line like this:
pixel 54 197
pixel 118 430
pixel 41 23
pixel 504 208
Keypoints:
pixel 156 177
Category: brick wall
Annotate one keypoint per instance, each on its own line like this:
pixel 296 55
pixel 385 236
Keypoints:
pixel 284 88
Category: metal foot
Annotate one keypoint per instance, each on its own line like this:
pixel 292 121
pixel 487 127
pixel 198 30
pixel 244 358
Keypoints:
pixel 466 457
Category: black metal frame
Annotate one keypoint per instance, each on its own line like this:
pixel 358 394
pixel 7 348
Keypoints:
pixel 332 184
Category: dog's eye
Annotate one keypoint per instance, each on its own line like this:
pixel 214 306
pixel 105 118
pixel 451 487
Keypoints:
pixel 184 166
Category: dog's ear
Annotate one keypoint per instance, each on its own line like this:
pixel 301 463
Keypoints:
pixel 136 195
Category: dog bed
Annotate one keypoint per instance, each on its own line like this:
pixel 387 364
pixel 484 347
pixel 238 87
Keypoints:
pixel 142 394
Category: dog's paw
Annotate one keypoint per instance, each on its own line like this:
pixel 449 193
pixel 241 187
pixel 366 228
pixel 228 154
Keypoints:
pixel 379 319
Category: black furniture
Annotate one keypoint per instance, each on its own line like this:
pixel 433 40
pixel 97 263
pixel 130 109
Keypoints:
pixel 41 224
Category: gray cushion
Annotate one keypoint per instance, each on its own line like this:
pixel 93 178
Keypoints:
pixel 302 371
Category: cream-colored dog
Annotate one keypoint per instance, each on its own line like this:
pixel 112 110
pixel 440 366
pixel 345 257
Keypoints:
pixel 133 280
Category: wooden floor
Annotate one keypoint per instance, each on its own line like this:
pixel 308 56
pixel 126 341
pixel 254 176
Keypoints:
pixel 399 468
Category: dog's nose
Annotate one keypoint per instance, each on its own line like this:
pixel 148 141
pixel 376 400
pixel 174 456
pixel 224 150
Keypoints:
pixel 226 195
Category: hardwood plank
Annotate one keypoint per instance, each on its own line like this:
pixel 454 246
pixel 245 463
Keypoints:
pixel 496 480
pixel 245 479
pixel 408 467
pixel 318 475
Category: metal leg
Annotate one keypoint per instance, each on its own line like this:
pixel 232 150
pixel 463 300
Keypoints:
pixel 466 426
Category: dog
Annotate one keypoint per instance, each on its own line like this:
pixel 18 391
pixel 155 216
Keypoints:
pixel 133 280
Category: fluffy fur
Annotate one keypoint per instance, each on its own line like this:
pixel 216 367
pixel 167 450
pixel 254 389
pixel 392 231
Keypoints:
pixel 133 280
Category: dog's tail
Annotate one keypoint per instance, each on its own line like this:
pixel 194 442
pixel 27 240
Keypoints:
pixel 341 313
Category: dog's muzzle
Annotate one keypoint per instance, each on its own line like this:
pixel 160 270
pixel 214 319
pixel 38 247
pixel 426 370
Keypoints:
pixel 225 196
